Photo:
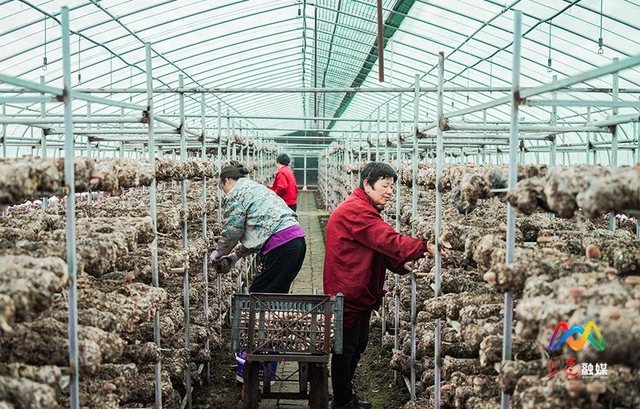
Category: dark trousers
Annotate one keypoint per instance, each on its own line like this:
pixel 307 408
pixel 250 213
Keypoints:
pixel 293 207
pixel 279 267
pixel 343 366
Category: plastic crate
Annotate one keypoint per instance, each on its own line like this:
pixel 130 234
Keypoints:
pixel 291 326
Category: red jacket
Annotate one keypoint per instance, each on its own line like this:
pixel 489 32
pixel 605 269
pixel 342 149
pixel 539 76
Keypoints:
pixel 360 247
pixel 285 185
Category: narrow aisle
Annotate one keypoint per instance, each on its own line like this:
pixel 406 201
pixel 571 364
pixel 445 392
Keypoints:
pixel 308 279
pixel 310 276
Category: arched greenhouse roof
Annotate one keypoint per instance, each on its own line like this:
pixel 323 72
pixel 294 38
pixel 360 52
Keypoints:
pixel 299 44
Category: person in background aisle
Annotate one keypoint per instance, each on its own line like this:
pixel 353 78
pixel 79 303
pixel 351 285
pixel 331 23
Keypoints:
pixel 285 183
pixel 262 223
pixel 360 247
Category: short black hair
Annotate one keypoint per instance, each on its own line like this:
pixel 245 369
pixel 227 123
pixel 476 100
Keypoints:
pixel 283 159
pixel 235 170
pixel 374 171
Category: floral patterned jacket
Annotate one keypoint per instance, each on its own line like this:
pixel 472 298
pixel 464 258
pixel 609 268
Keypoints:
pixel 252 214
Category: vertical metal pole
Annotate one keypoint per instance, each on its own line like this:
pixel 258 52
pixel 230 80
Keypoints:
pixel 635 132
pixel 638 136
pixel 205 272
pixel 385 287
pixel 122 127
pixel 69 180
pixel 219 196
pixel 386 136
pixel 614 138
pixel 187 324
pixel 378 135
pixel 154 219
pixel 4 131
pixel 89 152
pixel 414 214
pixel 440 158
pixel 554 122
pixel 257 155
pixel 484 123
pixel 43 139
pixel 326 182
pixel 315 66
pixel 347 157
pixel 554 142
pixel 513 175
pixel 369 142
pixel 304 182
pixel 219 158
pixel 263 155
pixel 396 298
pixel 414 154
pixel 588 144
pixel 359 150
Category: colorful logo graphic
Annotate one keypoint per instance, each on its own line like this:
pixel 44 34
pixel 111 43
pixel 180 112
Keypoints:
pixel 577 329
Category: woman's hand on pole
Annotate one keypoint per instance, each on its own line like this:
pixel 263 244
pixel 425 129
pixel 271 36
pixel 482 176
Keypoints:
pixel 431 251
pixel 215 256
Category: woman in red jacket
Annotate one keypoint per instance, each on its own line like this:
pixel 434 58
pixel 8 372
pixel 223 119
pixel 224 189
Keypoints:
pixel 285 184
pixel 360 247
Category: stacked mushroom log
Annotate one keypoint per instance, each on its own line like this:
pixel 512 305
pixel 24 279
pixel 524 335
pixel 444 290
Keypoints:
pixel 577 275
pixel 334 180
pixel 473 280
pixel 257 158
pixel 468 309
pixel 116 302
pixel 29 178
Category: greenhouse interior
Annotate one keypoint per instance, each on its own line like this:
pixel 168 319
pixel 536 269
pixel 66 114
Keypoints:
pixel 373 203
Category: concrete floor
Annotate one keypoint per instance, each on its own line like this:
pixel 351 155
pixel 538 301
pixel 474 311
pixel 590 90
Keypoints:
pixel 309 279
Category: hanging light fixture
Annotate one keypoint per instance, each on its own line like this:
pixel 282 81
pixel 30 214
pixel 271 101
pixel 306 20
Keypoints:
pixel 44 58
pixel 600 40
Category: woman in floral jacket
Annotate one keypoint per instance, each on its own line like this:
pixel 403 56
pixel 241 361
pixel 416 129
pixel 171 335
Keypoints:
pixel 261 222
